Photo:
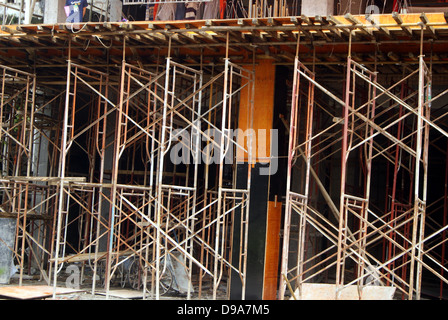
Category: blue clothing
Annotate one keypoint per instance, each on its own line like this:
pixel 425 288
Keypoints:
pixel 76 10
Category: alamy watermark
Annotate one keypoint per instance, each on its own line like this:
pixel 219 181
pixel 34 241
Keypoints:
pixel 73 280
pixel 215 147
pixel 373 14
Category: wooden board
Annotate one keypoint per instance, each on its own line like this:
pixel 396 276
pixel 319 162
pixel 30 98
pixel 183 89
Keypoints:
pixel 272 250
pixel 32 292
pixel 325 291
pixel 125 294
pixel 80 257
pixel 263 112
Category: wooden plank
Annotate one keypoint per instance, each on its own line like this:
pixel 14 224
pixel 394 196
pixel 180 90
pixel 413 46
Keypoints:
pixel 263 111
pixel 32 292
pixel 399 21
pixel 124 294
pixel 26 29
pixel 272 250
pixel 326 291
pixel 80 257
pixel 9 30
pixel 426 21
pixel 29 215
pixel 46 179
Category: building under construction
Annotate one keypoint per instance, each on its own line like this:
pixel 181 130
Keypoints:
pixel 235 149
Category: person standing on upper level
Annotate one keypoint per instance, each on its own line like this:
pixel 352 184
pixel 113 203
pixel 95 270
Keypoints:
pixel 75 10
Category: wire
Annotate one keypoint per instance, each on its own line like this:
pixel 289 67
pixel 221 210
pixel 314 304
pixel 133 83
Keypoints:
pixel 87 45
pixel 71 27
pixel 105 46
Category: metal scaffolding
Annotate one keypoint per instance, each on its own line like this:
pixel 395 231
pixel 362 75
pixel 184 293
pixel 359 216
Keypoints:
pixel 133 170
pixel 159 182
pixel 374 127
pixel 25 198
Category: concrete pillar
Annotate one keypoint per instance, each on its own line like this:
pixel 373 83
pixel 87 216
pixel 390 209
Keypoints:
pixel 351 6
pixel 116 7
pixel 29 8
pixel 108 165
pixel 54 11
pixel 317 8
pixel 40 168
pixel 7 235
